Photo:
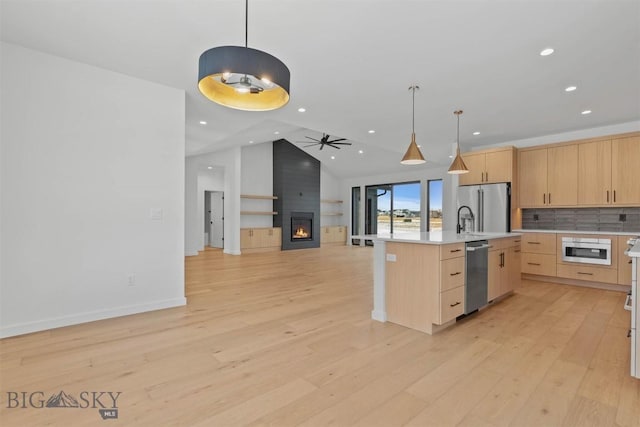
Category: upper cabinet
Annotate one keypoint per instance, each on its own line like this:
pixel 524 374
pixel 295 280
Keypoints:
pixel 488 166
pixel 594 173
pixel 548 177
pixel 625 173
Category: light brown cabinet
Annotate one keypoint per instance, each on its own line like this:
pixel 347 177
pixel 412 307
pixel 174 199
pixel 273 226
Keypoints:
pixel 594 173
pixel 504 267
pixel 336 234
pixel 538 254
pixel 261 238
pixel 549 176
pixel 488 166
pixel 625 173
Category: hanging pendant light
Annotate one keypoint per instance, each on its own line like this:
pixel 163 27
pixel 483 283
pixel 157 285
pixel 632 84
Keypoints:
pixel 413 156
pixel 458 166
pixel 243 78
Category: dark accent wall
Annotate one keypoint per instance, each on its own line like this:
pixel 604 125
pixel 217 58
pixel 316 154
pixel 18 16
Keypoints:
pixel 582 219
pixel 296 182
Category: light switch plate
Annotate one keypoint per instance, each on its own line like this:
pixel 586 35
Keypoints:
pixel 156 213
pixel 391 257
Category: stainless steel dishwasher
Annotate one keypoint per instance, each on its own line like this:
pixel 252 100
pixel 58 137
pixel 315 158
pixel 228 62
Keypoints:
pixel 476 275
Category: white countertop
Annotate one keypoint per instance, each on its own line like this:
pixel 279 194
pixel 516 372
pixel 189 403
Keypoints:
pixel 611 233
pixel 435 237
pixel 634 251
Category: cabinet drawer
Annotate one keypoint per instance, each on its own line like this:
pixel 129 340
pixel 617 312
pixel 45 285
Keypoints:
pixel 542 264
pixel 451 273
pixel 453 250
pixel 587 272
pixel 539 243
pixel 451 304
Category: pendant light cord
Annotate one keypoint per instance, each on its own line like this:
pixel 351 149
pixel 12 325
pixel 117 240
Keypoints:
pixel 246 23
pixel 413 108
pixel 458 136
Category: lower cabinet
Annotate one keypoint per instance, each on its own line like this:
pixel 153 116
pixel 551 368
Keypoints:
pixel 504 267
pixel 261 238
pixel 335 234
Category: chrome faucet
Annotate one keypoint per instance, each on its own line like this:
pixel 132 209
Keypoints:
pixel 459 228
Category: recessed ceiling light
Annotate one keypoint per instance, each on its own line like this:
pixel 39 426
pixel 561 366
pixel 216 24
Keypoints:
pixel 570 88
pixel 333 157
pixel 209 167
pixel 419 146
pixel 546 52
pixel 202 122
pixel 450 156
pixel 360 151
pixel 276 133
pixel 372 131
pixel 302 110
pixel 476 133
pixel 585 112
pixel 250 142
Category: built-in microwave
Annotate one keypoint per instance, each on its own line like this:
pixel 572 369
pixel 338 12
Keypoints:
pixel 586 250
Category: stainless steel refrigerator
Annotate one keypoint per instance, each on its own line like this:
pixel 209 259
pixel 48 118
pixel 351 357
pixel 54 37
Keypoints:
pixel 490 204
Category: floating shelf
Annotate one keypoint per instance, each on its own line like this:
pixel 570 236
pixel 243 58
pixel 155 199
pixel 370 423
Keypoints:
pixel 258 213
pixel 254 196
pixel 331 213
pixel 331 201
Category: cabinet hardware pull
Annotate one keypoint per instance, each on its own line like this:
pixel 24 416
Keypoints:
pixel 607 196
pixel 630 262
pixel 544 198
pixel 455 250
pixel 587 274
pixel 533 243
pixel 455 274
pixel 516 241
pixel 486 177
pixel 533 263
pixel 549 198
pixel 614 196
pixel 629 334
pixel 453 305
pixel 517 250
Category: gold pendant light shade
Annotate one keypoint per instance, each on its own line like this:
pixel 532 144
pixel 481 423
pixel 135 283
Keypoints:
pixel 413 156
pixel 457 166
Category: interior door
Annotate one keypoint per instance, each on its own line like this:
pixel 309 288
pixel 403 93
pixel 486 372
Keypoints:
pixel 216 220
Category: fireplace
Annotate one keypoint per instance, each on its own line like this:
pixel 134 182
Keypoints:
pixel 301 226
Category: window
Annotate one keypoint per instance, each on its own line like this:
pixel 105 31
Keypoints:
pixel 392 208
pixel 435 205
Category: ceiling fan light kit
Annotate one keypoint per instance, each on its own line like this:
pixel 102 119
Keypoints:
pixel 243 78
pixel 457 166
pixel 413 156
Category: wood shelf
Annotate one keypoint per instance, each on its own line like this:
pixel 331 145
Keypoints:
pixel 331 213
pixel 258 213
pixel 255 196
pixel 331 201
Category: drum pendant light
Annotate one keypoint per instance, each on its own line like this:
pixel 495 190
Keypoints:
pixel 413 156
pixel 458 166
pixel 243 78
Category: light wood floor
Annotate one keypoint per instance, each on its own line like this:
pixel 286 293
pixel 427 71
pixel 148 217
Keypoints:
pixel 285 338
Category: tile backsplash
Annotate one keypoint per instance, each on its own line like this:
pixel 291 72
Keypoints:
pixel 582 219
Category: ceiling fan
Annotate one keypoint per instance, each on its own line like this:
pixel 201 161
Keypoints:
pixel 324 141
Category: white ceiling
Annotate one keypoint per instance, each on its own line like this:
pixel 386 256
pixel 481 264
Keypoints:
pixel 352 62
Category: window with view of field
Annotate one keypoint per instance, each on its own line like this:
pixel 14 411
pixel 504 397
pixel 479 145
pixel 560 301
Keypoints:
pixel 435 205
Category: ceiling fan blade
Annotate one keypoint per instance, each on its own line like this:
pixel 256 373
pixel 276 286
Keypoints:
pixel 340 143
pixel 311 145
pixel 317 140
pixel 331 145
pixel 339 139
pixel 322 145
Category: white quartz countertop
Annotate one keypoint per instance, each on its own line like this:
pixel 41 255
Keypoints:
pixel 436 237
pixel 610 233
pixel 634 251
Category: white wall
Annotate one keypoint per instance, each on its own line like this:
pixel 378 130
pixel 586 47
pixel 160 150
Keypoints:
pixel 257 179
pixel 331 188
pixel 87 155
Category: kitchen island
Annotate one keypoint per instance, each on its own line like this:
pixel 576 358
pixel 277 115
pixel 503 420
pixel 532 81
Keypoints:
pixel 419 278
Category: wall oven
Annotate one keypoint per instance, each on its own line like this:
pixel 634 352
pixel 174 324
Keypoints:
pixel 586 250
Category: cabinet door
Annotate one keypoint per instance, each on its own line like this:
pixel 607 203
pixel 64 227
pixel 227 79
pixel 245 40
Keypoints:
pixel 533 178
pixel 476 164
pixel 624 262
pixel 246 241
pixel 594 173
pixel 494 275
pixel 625 173
pixel 499 166
pixel 562 176
pixel 513 278
pixel 325 236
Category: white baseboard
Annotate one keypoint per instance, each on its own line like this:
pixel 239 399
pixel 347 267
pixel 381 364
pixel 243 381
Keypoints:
pixel 191 253
pixel 380 316
pixel 74 319
pixel 230 252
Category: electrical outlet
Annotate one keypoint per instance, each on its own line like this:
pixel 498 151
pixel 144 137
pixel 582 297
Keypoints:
pixel 623 217
pixel 131 280
pixel 536 217
pixel 391 257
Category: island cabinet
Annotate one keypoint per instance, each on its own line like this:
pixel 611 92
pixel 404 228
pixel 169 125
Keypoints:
pixel 424 284
pixel 539 254
pixel 504 267
pixel 624 261
pixel 488 166
pixel 548 177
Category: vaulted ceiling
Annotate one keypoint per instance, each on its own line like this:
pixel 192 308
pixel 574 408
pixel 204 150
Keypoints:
pixel 352 62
